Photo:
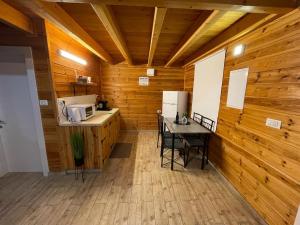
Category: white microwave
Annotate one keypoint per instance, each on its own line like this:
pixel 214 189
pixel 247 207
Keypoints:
pixel 79 112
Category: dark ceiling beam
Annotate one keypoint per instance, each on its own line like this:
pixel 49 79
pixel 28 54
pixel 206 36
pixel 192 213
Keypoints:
pixel 13 17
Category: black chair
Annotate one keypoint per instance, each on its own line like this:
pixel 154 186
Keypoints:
pixel 197 117
pixel 166 146
pixel 160 120
pixel 199 141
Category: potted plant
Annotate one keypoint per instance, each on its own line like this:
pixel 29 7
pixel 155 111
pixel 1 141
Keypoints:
pixel 185 118
pixel 77 144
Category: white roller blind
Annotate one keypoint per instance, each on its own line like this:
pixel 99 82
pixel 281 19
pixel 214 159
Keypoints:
pixel 208 79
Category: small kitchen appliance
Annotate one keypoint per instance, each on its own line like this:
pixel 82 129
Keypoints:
pixel 79 112
pixel 102 105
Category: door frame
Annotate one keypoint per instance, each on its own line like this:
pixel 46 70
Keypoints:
pixel 30 74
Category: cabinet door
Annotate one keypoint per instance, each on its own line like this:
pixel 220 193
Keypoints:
pixel 103 146
pixel 117 127
pixel 104 136
pixel 110 140
pixel 114 129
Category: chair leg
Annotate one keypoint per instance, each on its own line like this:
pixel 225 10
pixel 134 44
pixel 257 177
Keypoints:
pixel 207 155
pixel 161 154
pixel 187 156
pixel 157 139
pixel 206 148
pixel 184 155
pixel 161 148
pixel 82 173
pixel 203 159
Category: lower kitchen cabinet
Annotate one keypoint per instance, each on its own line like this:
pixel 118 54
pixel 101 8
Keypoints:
pixel 99 142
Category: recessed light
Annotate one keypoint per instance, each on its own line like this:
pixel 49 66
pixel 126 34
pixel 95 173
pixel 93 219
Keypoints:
pixel 238 50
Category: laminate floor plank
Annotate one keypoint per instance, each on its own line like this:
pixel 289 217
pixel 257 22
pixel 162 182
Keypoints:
pixel 174 213
pixel 148 213
pixel 129 191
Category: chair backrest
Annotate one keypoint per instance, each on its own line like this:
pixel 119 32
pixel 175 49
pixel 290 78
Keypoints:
pixel 204 121
pixel 165 133
pixel 208 123
pixel 160 120
pixel 197 117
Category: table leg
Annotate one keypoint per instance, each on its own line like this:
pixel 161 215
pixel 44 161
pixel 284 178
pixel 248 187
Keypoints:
pixel 203 153
pixel 172 157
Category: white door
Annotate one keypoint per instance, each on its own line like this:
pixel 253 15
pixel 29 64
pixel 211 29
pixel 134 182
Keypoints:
pixel 3 163
pixel 19 140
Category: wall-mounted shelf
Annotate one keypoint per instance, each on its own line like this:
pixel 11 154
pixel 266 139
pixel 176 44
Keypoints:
pixel 86 85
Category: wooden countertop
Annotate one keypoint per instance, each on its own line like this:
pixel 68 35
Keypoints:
pixel 99 119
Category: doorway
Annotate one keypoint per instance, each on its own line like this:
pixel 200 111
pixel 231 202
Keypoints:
pixel 22 144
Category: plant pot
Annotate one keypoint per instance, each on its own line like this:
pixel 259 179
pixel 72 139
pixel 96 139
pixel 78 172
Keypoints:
pixel 79 162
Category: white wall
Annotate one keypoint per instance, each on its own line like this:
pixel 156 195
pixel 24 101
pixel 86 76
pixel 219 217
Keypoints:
pixel 207 85
pixel 19 137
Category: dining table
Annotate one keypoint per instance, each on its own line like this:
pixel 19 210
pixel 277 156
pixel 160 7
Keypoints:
pixel 180 129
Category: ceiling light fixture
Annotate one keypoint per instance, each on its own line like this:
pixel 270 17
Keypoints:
pixel 72 57
pixel 238 50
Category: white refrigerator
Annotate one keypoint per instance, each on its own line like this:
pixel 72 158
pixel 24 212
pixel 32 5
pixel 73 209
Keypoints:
pixel 173 102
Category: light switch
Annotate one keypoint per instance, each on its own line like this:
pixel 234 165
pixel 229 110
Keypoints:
pixel 43 102
pixel 273 123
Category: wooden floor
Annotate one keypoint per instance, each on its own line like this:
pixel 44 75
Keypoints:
pixel 130 191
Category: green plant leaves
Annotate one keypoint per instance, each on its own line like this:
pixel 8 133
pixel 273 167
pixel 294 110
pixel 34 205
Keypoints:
pixel 77 143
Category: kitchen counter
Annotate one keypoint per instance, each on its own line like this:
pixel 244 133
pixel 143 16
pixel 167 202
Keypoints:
pixel 98 119
pixel 100 135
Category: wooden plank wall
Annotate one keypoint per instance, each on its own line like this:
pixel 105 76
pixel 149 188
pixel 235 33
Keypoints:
pixel 64 70
pixel 138 105
pixel 38 43
pixel 263 163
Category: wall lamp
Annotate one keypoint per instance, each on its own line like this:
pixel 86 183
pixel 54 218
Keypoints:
pixel 72 57
pixel 238 50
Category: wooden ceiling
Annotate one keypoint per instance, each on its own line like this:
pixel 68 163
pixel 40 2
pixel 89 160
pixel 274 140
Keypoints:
pixel 162 33
pixel 85 16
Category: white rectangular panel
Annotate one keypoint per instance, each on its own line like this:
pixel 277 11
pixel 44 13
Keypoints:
pixel 207 85
pixel 237 88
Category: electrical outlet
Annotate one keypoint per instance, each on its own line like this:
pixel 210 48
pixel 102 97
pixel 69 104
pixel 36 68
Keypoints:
pixel 44 102
pixel 273 123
